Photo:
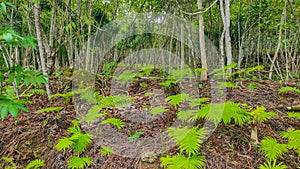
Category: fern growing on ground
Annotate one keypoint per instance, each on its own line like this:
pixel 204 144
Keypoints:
pixel 78 142
pixel 189 143
pixel 288 89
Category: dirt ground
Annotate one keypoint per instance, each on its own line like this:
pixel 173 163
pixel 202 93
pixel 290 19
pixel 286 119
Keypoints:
pixel 31 135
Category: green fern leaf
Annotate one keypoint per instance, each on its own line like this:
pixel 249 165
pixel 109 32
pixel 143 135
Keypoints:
pixel 221 85
pixel 272 165
pixel 177 99
pixel 193 102
pixel 188 140
pixel 63 144
pixel 49 109
pixel 106 151
pixel 287 89
pixel 35 164
pixel 158 110
pixel 293 115
pixel 272 149
pixel 79 162
pixel 93 114
pixel 180 162
pixel 235 112
pixel 187 115
pixel 80 142
pixel 259 114
pixel 114 121
pixel 293 137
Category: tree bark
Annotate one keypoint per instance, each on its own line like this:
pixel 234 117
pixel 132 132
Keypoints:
pixel 38 27
pixel 202 42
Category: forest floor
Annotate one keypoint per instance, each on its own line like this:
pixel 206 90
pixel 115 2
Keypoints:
pixel 31 135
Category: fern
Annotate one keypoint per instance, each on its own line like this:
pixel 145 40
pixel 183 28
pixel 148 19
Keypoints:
pixel 79 162
pixel 117 100
pixel 221 85
pixel 272 149
pixel 193 102
pixel 49 109
pixel 78 141
pixel 293 115
pixel 186 115
pixel 272 165
pixel 93 114
pixel 293 137
pixel 126 76
pixel 63 95
pixel 158 110
pixel 287 89
pixel 114 121
pixel 260 115
pixel 35 164
pixel 177 99
pixel 225 112
pixel 180 162
pixel 106 151
pixel 188 140
pixel 63 144
pixel 10 161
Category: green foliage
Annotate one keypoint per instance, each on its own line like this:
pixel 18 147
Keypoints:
pixel 272 149
pixel 180 162
pixel 78 141
pixel 293 115
pixel 222 85
pixel 49 109
pixel 79 162
pixel 9 106
pixel 114 121
pixel 272 165
pixel 247 71
pixel 158 110
pixel 289 89
pixel 106 151
pixel 11 162
pixel 260 114
pixel 293 137
pixel 188 139
pixel 252 86
pixel 135 135
pixel 107 69
pixel 126 76
pixel 63 95
pixel 177 99
pixel 225 112
pixel 93 114
pixel 35 164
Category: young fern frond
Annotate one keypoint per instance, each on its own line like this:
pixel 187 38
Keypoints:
pixel 49 109
pixel 93 114
pixel 158 110
pixel 35 164
pixel 177 99
pixel 114 121
pixel 272 149
pixel 188 139
pixel 80 142
pixel 187 115
pixel 288 89
pixel 293 115
pixel 259 114
pixel 272 165
pixel 63 144
pixel 180 162
pixel 79 162
pixel 293 137
pixel 106 151
pixel 225 112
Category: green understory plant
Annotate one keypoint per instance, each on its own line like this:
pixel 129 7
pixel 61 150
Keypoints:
pixel 78 141
pixel 35 164
pixel 189 142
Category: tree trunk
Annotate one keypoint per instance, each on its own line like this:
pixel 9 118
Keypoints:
pixel 202 42
pixel 38 27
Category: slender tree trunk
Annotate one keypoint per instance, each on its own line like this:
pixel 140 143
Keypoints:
pixel 202 42
pixel 227 34
pixel 38 27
